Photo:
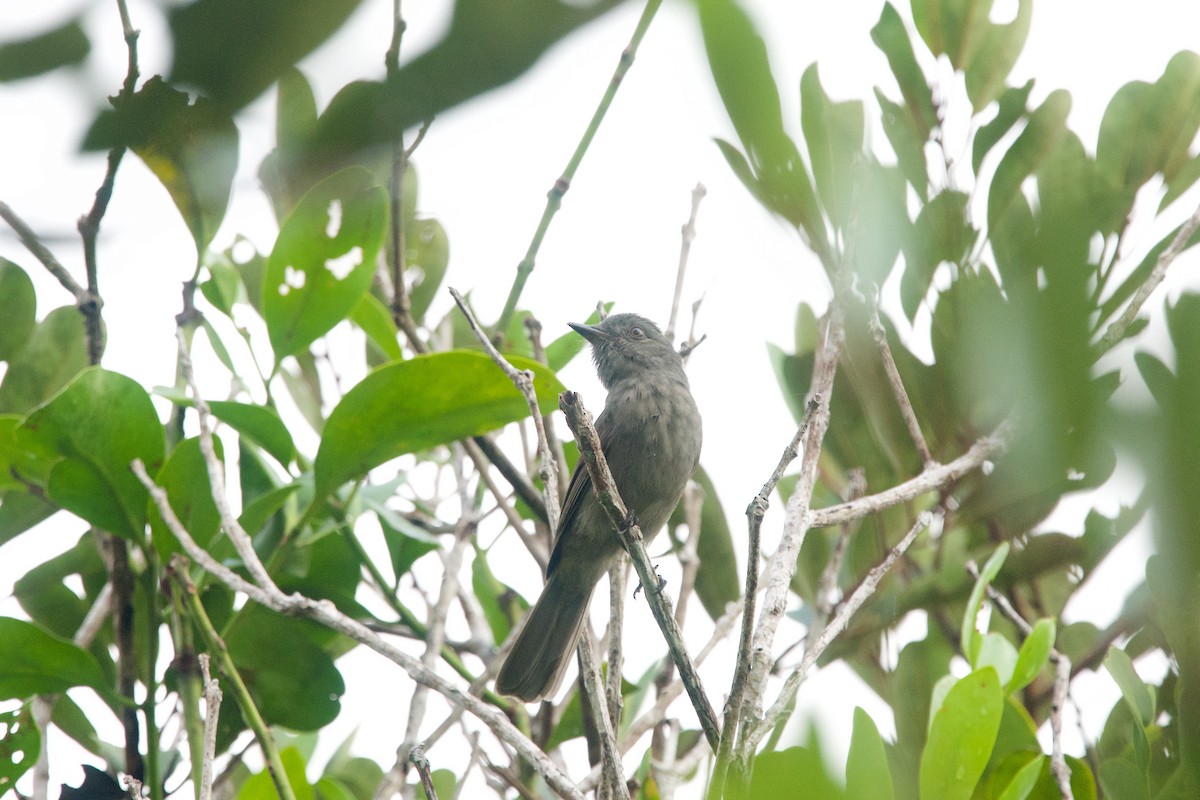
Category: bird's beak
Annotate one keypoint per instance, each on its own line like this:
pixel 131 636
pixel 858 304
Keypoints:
pixel 592 333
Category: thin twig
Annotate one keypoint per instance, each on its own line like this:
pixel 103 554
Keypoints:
pixel 898 390
pixel 580 422
pixel 610 757
pixel 983 451
pixel 1116 329
pixel 616 621
pixel 212 711
pixel 534 327
pixel 42 253
pixel 418 759
pixel 827 586
pixel 687 235
pixel 523 380
pixel 555 195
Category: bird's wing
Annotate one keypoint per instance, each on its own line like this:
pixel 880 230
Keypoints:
pixel 579 490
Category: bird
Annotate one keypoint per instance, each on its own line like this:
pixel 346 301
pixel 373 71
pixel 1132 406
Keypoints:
pixel 651 434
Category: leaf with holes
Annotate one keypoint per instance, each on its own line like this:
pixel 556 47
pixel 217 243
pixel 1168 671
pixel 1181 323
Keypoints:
pixel 323 259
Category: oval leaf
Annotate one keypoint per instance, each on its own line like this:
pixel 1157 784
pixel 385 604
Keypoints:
pixel 415 404
pixel 96 426
pixel 961 736
pixel 323 259
pixel 1035 652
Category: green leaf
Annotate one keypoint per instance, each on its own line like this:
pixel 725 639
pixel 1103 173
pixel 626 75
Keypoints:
pixel 1033 656
pixel 993 59
pixel 322 262
pixel 867 773
pixel 97 426
pixel 1041 135
pixel 778 774
pixel 292 680
pixel 909 147
pixel 997 652
pixel 373 317
pixel 19 746
pixel 834 134
pixel 53 354
pixel 427 258
pixel 961 735
pixel 416 404
pixel 741 70
pixel 405 541
pixel 1149 128
pixel 940 234
pixel 261 786
pixel 63 46
pixel 501 605
pixel 257 42
pixel 260 424
pixel 184 476
pixel 970 637
pixel 1021 785
pixel 190 146
pixel 1133 689
pixel 224 285
pixel 717 583
pixel 891 37
pixel 1010 109
pixel 33 661
pixel 18 309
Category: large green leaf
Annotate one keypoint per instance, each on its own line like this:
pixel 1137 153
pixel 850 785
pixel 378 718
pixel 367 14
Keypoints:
pixel 191 146
pixel 741 70
pixel 961 736
pixel 53 354
pixel 232 50
pixel 415 404
pixel 93 430
pixel 33 661
pixel 323 259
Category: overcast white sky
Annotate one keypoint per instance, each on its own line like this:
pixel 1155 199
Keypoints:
pixel 485 168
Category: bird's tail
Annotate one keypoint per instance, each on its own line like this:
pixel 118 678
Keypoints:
pixel 535 665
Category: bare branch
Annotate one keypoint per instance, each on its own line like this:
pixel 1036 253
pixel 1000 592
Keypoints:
pixel 898 390
pixel 1116 330
pixel 687 235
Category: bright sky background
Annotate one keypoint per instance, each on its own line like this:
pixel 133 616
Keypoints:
pixel 485 169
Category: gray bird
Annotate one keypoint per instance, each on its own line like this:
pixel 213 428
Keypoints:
pixel 650 432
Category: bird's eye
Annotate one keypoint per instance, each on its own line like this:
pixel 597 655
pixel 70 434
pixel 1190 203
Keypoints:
pixel 636 332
